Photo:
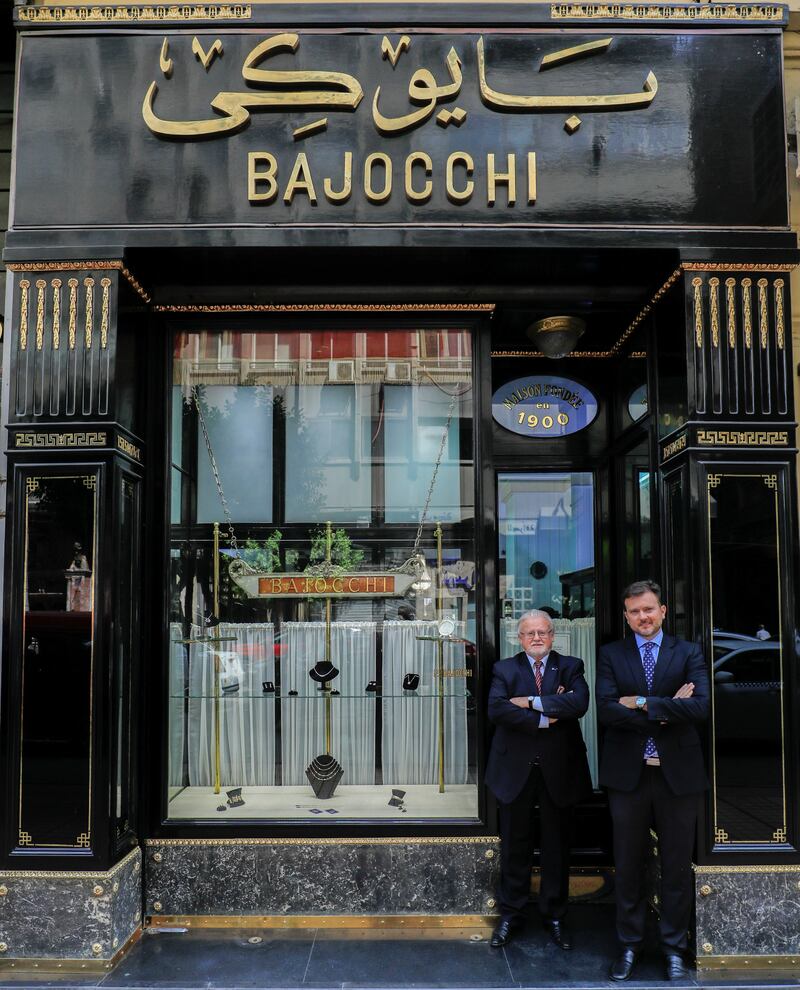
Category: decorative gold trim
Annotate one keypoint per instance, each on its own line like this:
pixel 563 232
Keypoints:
pixel 747 312
pixel 98 876
pixel 671 12
pixel 24 285
pixel 643 312
pixel 56 285
pixel 539 354
pixel 730 287
pixel 73 311
pixel 735 266
pixel 41 284
pixel 105 283
pixel 763 312
pixel 779 325
pixel 697 285
pixel 746 869
pixel 742 438
pixel 331 308
pixel 79 266
pixel 28 966
pixel 673 448
pixel 89 325
pixel 713 295
pixel 129 448
pixel 748 962
pixel 134 13
pixel 439 840
pixel 27 441
pixel 411 922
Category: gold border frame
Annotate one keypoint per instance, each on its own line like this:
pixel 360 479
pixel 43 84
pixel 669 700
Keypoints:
pixel 407 922
pixel 37 968
pixel 439 840
pixel 713 479
pixel 91 482
pixel 762 963
pixel 328 308
pixel 97 875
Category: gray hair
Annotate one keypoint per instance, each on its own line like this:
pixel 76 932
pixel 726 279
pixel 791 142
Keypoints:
pixel 637 588
pixel 535 613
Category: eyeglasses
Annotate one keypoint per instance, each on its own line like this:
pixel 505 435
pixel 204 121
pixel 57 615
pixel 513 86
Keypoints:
pixel 535 635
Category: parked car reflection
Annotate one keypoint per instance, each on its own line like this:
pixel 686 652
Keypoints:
pixel 747 691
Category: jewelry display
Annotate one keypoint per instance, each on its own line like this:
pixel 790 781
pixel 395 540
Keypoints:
pixel 372 686
pixel 268 687
pixel 323 671
pixel 411 682
pixel 324 774
pixel 235 799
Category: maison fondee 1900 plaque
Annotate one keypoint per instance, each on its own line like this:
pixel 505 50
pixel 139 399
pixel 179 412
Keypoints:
pixel 420 128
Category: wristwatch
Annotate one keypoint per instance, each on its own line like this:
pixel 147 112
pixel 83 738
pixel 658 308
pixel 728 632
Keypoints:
pixel 641 702
pixel 530 702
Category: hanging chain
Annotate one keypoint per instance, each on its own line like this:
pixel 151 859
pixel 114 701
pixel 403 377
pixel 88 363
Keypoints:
pixel 445 433
pixel 217 480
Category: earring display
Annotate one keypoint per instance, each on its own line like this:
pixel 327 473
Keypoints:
pixel 372 687
pixel 411 682
pixel 235 799
pixel 268 687
pixel 324 774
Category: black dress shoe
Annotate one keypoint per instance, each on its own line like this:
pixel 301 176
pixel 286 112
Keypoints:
pixel 676 967
pixel 559 933
pixel 623 965
pixel 504 932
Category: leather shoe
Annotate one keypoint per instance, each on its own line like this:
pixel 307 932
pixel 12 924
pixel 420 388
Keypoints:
pixel 504 932
pixel 559 933
pixel 676 967
pixel 623 965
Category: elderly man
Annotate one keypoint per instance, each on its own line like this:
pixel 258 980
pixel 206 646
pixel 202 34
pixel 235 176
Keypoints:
pixel 652 691
pixel 538 756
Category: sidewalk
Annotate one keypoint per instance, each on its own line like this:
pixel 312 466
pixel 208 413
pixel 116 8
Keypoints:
pixel 333 959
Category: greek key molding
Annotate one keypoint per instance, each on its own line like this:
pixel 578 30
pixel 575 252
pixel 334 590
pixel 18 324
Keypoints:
pixel 675 447
pixel 742 438
pixel 133 13
pixel 129 448
pixel 31 440
pixel 667 12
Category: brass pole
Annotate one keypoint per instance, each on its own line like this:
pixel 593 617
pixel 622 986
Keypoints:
pixel 326 686
pixel 440 650
pixel 216 665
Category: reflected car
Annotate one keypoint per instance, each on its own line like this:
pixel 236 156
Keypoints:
pixel 747 690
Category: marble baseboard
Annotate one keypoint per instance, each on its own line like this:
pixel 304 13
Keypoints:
pixel 65 915
pixel 747 912
pixel 325 877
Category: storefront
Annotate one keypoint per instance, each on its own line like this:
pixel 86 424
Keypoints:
pixel 337 337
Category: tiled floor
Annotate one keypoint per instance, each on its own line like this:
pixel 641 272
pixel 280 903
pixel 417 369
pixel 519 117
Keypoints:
pixel 327 959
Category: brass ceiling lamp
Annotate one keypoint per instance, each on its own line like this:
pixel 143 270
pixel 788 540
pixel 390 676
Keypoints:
pixel 556 336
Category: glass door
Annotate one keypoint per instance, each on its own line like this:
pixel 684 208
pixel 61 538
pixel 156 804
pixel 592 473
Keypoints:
pixel 546 560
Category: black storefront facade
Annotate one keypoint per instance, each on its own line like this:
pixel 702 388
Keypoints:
pixel 287 456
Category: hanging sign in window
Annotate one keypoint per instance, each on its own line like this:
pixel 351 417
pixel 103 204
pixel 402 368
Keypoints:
pixel 543 406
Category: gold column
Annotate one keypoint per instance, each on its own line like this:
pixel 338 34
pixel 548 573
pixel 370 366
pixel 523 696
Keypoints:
pixel 440 652
pixel 216 665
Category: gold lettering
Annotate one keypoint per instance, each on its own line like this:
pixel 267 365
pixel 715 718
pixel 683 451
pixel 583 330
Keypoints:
pixel 418 158
pixel 256 176
pixel 300 181
pixel 338 587
pixel 508 178
pixel 465 194
pixel 343 194
pixel 320 586
pixel 352 585
pixel 369 164
pixel 531 178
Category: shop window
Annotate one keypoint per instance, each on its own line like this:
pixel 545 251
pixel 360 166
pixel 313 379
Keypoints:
pixel 321 642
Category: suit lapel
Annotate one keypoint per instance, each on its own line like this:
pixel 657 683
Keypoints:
pixel 551 675
pixel 526 672
pixel 634 660
pixel 666 657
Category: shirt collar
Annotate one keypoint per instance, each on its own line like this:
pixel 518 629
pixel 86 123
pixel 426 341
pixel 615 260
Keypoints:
pixel 656 640
pixel 532 660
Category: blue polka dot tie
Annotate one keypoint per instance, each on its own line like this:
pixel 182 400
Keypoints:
pixel 649 664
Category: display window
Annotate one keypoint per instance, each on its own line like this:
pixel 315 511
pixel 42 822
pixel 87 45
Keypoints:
pixel 322 633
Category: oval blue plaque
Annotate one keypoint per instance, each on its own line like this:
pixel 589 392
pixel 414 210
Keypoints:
pixel 543 406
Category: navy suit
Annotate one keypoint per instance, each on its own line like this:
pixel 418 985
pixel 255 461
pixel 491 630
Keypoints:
pixel 642 796
pixel 529 765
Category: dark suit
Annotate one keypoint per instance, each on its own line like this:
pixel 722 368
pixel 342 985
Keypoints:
pixel 529 765
pixel 640 796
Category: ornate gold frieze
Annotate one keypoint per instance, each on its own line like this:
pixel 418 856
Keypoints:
pixel 763 313
pixel 89 325
pixel 790 868
pixel 439 840
pixel 747 312
pixel 79 266
pixel 667 12
pixel 730 287
pixel 24 285
pixel 105 283
pixel 779 325
pixel 135 12
pixel 673 448
pixel 713 295
pixel 129 448
pixel 330 308
pixel 40 287
pixel 643 312
pixel 735 266
pixel 56 284
pixel 30 440
pixel 743 438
